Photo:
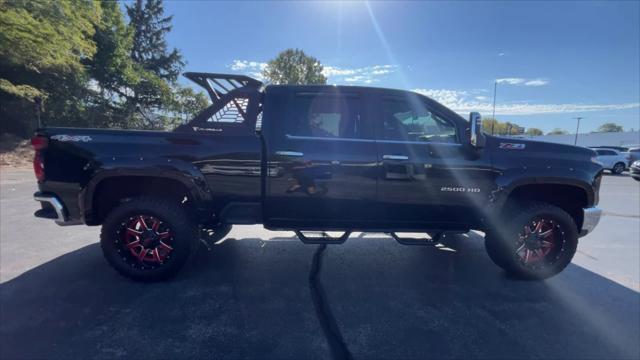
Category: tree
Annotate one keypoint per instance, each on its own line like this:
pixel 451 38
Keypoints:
pixel 43 49
pixel 557 131
pixel 534 132
pixel 610 127
pixel 85 66
pixel 293 67
pixel 499 128
pixel 112 70
pixel 157 68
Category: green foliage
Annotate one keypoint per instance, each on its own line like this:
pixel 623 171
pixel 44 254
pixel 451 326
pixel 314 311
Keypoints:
pixel 610 127
pixel 498 127
pixel 558 131
pixel 149 101
pixel 26 92
pixel 534 132
pixel 89 67
pixel 43 47
pixel 47 37
pixel 293 66
pixel 149 27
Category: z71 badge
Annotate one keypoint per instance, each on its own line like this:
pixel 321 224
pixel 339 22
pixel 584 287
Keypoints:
pixel 512 146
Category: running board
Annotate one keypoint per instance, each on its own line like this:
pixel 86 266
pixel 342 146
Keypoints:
pixel 324 239
pixel 434 239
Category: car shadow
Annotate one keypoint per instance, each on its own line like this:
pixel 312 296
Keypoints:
pixel 251 298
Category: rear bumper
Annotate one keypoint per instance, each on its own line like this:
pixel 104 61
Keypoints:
pixel 53 208
pixel 591 218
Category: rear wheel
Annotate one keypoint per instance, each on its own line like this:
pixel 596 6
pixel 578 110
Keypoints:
pixel 618 168
pixel 537 243
pixel 148 239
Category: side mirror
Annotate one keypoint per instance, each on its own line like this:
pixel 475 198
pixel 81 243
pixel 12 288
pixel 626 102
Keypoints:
pixel 477 138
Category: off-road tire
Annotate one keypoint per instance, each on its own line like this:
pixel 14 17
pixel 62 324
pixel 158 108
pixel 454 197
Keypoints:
pixel 184 238
pixel 502 245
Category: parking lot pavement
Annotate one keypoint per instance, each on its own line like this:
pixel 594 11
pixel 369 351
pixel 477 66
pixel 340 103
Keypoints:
pixel 263 294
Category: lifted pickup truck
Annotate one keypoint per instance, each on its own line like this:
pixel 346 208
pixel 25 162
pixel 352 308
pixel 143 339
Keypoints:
pixel 314 159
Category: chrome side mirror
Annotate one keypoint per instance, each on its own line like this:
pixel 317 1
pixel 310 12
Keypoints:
pixel 477 138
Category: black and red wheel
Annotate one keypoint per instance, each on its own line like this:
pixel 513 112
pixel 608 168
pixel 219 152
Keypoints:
pixel 539 242
pixel 148 239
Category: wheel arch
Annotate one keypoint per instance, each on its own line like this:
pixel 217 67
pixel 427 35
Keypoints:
pixel 571 197
pixel 129 180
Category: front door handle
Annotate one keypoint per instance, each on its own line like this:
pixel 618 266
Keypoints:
pixel 290 153
pixel 395 157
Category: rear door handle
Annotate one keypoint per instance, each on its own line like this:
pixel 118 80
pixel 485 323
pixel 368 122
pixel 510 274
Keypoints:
pixel 290 153
pixel 395 157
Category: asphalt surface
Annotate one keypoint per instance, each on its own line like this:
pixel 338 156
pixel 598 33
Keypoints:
pixel 262 294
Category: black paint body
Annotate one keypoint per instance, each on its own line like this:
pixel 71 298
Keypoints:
pixel 235 174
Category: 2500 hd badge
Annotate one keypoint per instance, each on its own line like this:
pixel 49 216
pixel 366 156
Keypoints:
pixel 460 189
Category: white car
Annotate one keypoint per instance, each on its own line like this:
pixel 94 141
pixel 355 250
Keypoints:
pixel 612 160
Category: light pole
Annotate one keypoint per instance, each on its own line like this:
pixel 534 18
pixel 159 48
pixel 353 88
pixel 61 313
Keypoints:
pixel 495 89
pixel 575 142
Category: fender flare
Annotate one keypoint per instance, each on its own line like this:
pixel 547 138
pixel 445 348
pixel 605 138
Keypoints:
pixel 174 169
pixel 509 182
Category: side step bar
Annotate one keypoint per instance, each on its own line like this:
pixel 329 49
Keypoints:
pixel 324 239
pixel 434 238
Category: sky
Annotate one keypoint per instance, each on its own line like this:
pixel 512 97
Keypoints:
pixel 552 61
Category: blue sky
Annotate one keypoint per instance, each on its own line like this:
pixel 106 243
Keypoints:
pixel 553 60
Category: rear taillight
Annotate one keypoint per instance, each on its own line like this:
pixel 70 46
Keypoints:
pixel 39 143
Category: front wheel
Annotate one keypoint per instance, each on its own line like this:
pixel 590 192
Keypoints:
pixel 618 168
pixel 148 239
pixel 537 243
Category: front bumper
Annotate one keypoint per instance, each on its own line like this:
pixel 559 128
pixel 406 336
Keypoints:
pixel 53 208
pixel 591 218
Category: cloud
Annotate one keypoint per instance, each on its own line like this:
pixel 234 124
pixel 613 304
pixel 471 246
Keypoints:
pixel 251 68
pixel 501 54
pixel 522 81
pixel 241 65
pixel 460 102
pixel 362 75
pixel 366 75
pixel 511 81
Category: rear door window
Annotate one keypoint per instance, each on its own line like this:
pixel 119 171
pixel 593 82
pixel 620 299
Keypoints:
pixel 326 116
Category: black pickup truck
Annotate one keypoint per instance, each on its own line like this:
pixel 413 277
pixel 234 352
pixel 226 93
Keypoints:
pixel 316 159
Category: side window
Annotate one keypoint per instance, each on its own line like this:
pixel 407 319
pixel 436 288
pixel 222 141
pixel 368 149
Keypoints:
pixel 410 120
pixel 325 116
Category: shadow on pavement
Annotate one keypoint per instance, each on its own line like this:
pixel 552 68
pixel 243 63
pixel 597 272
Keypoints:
pixel 252 299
